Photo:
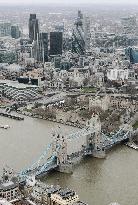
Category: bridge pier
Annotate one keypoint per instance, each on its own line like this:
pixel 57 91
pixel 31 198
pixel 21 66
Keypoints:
pixel 95 140
pixel 99 154
pixel 66 168
pixel 60 148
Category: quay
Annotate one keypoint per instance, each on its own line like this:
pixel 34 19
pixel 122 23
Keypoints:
pixel 9 115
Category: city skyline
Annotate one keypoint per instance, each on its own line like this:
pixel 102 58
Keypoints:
pixel 68 102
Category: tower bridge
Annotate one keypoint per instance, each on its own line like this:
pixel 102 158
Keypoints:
pixel 95 144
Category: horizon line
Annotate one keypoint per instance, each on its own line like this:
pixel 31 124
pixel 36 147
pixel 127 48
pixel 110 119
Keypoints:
pixel 70 4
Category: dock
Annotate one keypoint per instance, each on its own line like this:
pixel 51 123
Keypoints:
pixel 12 116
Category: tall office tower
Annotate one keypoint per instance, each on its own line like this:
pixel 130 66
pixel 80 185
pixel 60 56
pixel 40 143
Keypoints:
pixel 80 15
pixel 15 32
pixel 56 43
pixel 87 32
pixel 33 27
pixel 132 54
pixel 43 47
pixel 5 29
pixel 78 40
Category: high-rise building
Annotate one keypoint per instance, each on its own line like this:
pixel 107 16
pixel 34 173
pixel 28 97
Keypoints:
pixel 78 40
pixel 33 27
pixel 5 29
pixel 87 32
pixel 43 47
pixel 56 43
pixel 15 32
pixel 132 54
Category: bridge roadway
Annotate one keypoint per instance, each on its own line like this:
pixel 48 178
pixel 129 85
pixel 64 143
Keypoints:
pixel 107 142
pixel 39 171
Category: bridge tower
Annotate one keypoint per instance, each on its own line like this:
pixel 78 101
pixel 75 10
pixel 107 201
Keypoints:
pixel 59 147
pixel 95 139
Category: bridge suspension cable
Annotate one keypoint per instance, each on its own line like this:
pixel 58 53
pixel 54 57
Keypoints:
pixel 36 164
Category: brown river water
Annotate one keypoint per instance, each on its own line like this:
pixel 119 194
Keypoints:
pixel 97 181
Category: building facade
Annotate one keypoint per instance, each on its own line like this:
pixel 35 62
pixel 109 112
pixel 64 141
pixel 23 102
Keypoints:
pixel 33 27
pixel 19 92
pixel 5 29
pixel 15 32
pixel 56 43
pixel 43 47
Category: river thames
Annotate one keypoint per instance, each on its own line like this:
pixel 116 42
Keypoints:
pixel 97 181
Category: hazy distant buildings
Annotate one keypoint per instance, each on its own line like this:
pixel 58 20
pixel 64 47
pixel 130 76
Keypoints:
pixel 33 27
pixel 56 43
pixel 129 24
pixel 5 29
pixel 59 27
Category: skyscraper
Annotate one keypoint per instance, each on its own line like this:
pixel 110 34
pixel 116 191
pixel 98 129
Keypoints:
pixel 87 32
pixel 132 54
pixel 33 27
pixel 15 32
pixel 43 47
pixel 78 40
pixel 56 43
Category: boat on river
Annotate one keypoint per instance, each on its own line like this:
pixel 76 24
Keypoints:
pixel 4 126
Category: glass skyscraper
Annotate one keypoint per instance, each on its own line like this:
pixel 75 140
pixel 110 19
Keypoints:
pixel 56 43
pixel 33 27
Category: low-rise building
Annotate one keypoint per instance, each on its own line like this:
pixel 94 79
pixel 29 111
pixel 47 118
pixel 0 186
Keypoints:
pixel 102 102
pixel 124 103
pixel 64 197
pixel 18 92
pixel 9 187
pixel 4 202
pixel 117 74
pixel 80 203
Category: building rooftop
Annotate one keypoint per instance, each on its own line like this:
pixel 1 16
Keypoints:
pixel 15 84
pixel 53 189
pixel 80 203
pixel 4 202
pixel 66 193
pixel 8 185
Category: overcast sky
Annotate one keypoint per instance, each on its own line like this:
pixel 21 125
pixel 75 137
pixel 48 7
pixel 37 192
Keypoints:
pixel 68 1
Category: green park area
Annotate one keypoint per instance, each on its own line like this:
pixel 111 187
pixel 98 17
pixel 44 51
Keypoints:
pixel 135 126
pixel 89 90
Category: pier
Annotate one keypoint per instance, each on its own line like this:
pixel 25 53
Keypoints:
pixel 12 116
